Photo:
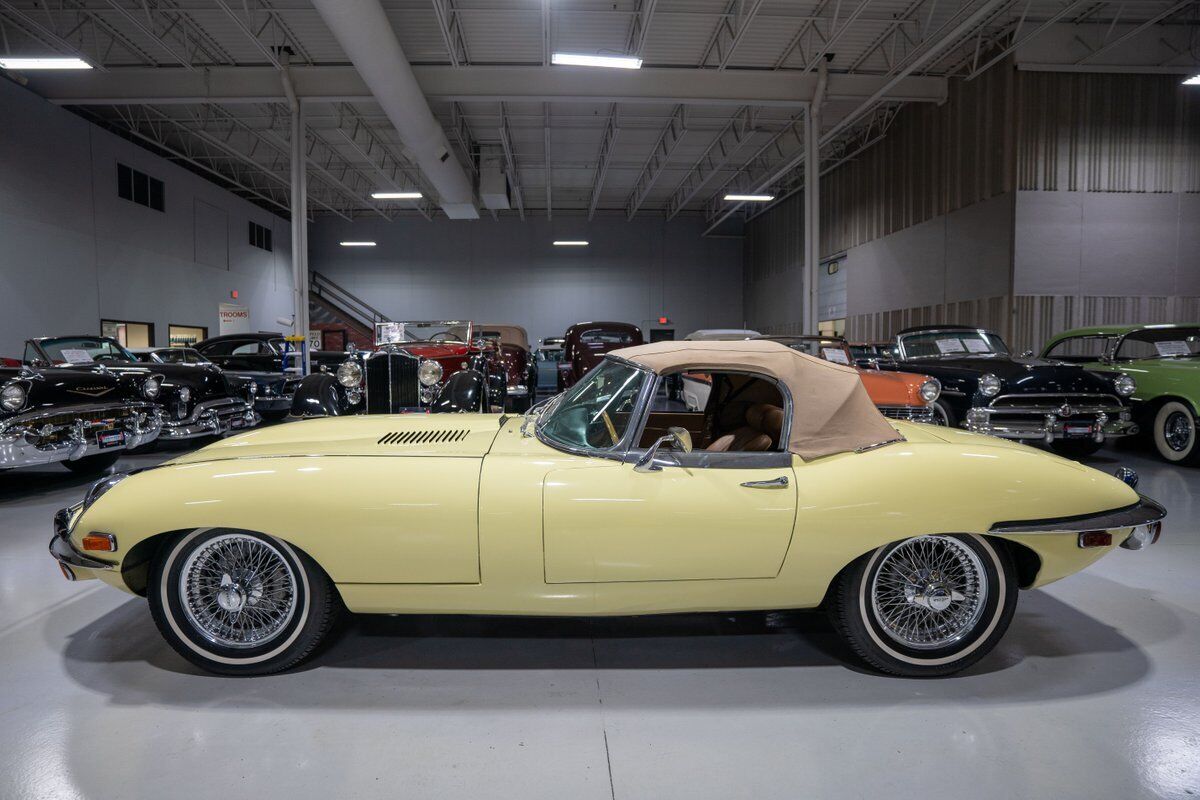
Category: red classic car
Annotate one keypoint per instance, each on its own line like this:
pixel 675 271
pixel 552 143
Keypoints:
pixel 585 344
pixel 416 366
pixel 516 360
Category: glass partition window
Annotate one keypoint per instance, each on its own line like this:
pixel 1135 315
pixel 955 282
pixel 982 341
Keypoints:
pixel 595 413
pixel 185 335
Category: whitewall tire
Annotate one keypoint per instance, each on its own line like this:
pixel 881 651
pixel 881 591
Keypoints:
pixel 1175 433
pixel 926 606
pixel 237 602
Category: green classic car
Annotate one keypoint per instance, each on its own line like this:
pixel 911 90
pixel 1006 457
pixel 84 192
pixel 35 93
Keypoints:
pixel 1165 362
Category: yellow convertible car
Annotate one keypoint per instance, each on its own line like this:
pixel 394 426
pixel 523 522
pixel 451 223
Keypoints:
pixel 788 490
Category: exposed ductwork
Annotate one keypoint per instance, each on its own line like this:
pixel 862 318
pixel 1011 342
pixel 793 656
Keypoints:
pixel 363 31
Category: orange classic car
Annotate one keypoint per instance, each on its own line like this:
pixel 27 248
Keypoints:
pixel 899 395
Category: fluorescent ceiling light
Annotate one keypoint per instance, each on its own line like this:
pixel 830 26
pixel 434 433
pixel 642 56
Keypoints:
pixel 396 195
pixel 1192 81
pixel 570 243
pixel 750 198
pixel 582 60
pixel 357 244
pixel 44 63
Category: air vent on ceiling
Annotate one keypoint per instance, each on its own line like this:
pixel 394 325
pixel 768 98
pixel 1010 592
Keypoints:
pixel 424 437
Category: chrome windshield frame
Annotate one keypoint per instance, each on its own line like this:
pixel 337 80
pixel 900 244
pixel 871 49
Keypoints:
pixel 636 417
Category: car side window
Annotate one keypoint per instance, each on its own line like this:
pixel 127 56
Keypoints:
pixel 1079 349
pixel 245 349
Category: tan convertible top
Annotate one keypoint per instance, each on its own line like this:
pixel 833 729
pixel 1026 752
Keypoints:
pixel 509 334
pixel 831 411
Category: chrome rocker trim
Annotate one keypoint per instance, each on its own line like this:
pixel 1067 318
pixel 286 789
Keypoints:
pixel 1143 512
pixel 64 552
pixel 212 418
pixel 20 436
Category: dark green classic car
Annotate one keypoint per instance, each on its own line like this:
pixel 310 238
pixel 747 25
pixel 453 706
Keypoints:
pixel 1165 362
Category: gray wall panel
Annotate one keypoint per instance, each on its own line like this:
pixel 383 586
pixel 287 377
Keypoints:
pixel 72 252
pixel 508 271
pixel 1049 244
pixel 1130 244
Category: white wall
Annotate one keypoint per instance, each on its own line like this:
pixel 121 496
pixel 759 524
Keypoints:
pixel 508 271
pixel 72 252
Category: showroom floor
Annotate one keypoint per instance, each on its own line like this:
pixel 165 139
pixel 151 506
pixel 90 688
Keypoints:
pixel 1095 692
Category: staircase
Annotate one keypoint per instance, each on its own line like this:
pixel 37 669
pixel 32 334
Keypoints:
pixel 337 311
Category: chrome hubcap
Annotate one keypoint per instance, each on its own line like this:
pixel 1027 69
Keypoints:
pixel 929 592
pixel 238 591
pixel 1177 430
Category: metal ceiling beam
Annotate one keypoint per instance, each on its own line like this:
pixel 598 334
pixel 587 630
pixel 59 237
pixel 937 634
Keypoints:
pixel 1026 39
pixel 731 27
pixel 362 139
pixel 447 19
pixel 270 55
pixel 39 31
pixel 150 33
pixel 231 85
pixel 549 177
pixel 1120 40
pixel 718 154
pixel 510 160
pixel 607 145
pixel 652 170
pixel 640 26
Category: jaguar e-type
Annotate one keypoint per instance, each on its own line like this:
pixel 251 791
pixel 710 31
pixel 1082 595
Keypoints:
pixel 605 501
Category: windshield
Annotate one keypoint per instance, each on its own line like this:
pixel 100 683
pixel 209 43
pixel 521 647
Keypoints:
pixel 84 350
pixel 952 344
pixel 606 337
pixel 407 332
pixel 596 412
pixel 1161 343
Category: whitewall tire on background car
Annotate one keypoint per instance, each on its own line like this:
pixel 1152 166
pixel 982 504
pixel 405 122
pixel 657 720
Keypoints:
pixel 1175 433
pixel 926 606
pixel 240 603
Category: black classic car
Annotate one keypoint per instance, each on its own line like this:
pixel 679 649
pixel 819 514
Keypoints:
pixel 80 418
pixel 197 399
pixel 270 361
pixel 417 366
pixel 988 390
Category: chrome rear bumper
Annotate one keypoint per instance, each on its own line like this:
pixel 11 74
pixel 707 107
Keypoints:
pixel 51 436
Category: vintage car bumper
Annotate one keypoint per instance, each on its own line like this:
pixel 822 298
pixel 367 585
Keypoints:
pixel 67 434
pixel 73 563
pixel 1048 418
pixel 518 390
pixel 909 413
pixel 1133 527
pixel 272 404
pixel 212 418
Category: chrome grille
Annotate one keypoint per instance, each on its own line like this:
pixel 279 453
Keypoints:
pixel 424 437
pixel 909 413
pixel 391 382
pixel 1050 403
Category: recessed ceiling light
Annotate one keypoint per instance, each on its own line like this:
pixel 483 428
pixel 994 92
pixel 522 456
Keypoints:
pixel 396 195
pixel 750 198
pixel 357 244
pixel 43 63
pixel 584 60
pixel 570 243
pixel 1192 81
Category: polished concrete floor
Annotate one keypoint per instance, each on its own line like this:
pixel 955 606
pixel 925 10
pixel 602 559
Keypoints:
pixel 1093 694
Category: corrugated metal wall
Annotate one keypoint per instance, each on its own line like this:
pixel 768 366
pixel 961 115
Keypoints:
pixel 1107 133
pixel 986 312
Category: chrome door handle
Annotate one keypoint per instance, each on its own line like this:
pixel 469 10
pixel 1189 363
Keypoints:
pixel 778 483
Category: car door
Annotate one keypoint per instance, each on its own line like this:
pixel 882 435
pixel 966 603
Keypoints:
pixel 732 517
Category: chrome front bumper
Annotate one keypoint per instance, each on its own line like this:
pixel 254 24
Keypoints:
pixel 520 390
pixel 44 437
pixel 212 418
pixel 1087 418
pixel 279 402
pixel 69 559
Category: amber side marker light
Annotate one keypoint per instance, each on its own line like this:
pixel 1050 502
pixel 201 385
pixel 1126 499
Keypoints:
pixel 1095 539
pixel 104 542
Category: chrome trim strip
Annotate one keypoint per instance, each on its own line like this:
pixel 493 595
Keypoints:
pixel 1142 512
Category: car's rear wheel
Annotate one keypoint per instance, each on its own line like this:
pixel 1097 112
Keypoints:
pixel 1175 433
pixel 240 603
pixel 943 414
pixel 92 465
pixel 926 606
pixel 1076 448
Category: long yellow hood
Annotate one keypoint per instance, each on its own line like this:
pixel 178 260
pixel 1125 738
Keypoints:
pixel 447 435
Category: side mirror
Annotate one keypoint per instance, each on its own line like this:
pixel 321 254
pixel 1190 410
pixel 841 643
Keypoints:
pixel 677 439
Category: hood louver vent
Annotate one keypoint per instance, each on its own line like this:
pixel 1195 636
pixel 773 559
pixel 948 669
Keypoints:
pixel 424 437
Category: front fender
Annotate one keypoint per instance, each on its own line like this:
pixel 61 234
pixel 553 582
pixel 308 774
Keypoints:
pixel 318 395
pixel 464 391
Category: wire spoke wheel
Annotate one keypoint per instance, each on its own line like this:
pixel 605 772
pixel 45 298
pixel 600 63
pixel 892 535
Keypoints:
pixel 238 591
pixel 929 592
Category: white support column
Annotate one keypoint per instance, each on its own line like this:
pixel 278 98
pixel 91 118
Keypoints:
pixel 299 208
pixel 812 215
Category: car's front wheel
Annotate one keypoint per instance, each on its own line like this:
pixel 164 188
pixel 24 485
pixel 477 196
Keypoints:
pixel 926 606
pixel 1175 435
pixel 240 603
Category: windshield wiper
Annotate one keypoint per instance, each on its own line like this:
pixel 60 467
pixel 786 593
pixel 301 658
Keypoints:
pixel 537 412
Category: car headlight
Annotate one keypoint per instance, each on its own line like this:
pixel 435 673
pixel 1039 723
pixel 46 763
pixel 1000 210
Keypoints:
pixel 989 385
pixel 429 373
pixel 101 486
pixel 349 374
pixel 252 389
pixel 1124 384
pixel 12 397
pixel 150 388
pixel 930 390
pixel 185 394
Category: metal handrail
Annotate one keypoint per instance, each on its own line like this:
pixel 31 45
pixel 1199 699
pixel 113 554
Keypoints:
pixel 328 290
